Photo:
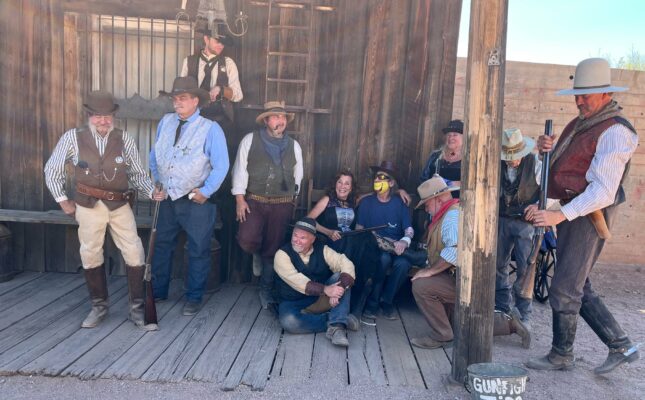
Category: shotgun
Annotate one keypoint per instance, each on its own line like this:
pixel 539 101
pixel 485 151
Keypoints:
pixel 150 310
pixel 538 236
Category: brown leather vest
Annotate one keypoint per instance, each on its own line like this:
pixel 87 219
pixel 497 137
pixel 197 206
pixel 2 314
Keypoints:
pixel 567 175
pixel 527 193
pixel 433 238
pixel 108 172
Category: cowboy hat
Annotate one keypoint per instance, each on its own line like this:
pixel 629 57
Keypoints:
pixel 593 75
pixel 187 84
pixel 433 187
pixel 456 125
pixel 307 224
pixel 386 166
pixel 274 108
pixel 514 145
pixel 100 102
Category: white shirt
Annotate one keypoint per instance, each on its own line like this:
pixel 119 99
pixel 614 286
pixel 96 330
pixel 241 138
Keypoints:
pixel 231 71
pixel 614 149
pixel 241 175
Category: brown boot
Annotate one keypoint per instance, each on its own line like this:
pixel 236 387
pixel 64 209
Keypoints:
pixel 97 286
pixel 561 355
pixel 135 297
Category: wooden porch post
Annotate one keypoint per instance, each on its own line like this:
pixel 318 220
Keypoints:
pixel 473 321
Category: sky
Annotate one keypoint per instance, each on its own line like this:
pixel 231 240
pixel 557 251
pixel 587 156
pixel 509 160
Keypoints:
pixel 567 31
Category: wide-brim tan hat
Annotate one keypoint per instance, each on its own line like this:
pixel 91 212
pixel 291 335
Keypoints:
pixel 274 108
pixel 433 187
pixel 100 102
pixel 593 75
pixel 188 84
pixel 515 145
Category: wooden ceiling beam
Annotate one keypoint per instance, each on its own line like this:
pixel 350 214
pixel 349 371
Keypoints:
pixel 163 9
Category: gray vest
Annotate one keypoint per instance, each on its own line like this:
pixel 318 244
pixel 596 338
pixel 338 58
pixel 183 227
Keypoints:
pixel 265 178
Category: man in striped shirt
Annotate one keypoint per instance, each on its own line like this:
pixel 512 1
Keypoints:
pixel 105 161
pixel 588 166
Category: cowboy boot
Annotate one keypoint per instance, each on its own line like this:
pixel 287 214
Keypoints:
pixel 97 286
pixel 561 355
pixel 135 297
pixel 603 323
pixel 505 324
pixel 266 284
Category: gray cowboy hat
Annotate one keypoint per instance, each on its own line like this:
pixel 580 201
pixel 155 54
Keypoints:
pixel 593 75
pixel 432 188
pixel 100 102
pixel 274 108
pixel 188 84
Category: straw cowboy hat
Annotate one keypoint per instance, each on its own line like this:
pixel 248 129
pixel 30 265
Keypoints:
pixel 387 167
pixel 188 84
pixel 100 102
pixel 593 75
pixel 514 145
pixel 274 108
pixel 433 187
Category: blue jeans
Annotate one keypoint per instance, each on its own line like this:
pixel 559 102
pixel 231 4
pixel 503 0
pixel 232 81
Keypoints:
pixel 198 221
pixel 514 235
pixel 294 321
pixel 386 287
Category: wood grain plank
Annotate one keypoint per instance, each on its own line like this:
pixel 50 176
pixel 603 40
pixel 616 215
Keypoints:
pixel 228 340
pixel 47 338
pixel 19 280
pixel 252 366
pixel 180 356
pixel 364 358
pixel 329 362
pixel 93 363
pixel 293 360
pixel 434 364
pixel 35 295
pixel 400 366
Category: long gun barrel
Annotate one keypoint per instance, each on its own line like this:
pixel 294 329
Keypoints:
pixel 150 310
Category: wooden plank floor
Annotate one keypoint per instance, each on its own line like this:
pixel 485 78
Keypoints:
pixel 230 342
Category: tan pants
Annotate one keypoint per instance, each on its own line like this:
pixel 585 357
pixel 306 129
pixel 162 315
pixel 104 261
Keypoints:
pixel 433 295
pixel 92 223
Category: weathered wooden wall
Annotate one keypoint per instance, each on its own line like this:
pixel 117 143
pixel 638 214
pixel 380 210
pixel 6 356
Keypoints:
pixel 380 80
pixel 530 99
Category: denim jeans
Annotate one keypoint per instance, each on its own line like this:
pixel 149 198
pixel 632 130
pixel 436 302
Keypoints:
pixel 514 235
pixel 294 321
pixel 386 287
pixel 198 221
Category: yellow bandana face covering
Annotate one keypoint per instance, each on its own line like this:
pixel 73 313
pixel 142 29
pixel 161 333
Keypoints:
pixel 381 187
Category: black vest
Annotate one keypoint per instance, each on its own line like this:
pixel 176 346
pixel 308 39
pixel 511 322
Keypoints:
pixel 213 111
pixel 317 270
pixel 524 191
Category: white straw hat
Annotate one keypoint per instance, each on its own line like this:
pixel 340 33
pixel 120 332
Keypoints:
pixel 593 75
pixel 515 145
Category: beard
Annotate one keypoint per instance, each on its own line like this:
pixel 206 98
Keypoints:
pixel 102 129
pixel 297 248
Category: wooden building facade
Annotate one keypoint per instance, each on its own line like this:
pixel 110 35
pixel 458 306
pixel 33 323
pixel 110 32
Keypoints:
pixel 369 80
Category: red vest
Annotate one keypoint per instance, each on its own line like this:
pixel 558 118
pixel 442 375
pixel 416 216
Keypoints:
pixel 567 175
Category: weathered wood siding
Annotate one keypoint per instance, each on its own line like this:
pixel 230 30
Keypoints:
pixel 530 99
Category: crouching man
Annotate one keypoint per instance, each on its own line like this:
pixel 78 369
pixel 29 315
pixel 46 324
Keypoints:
pixel 313 286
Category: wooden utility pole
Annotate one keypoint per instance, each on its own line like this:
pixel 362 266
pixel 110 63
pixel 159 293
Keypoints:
pixel 473 320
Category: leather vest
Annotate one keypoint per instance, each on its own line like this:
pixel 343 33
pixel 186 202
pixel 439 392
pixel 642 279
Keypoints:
pixel 528 192
pixel 107 172
pixel 433 238
pixel 265 178
pixel 317 270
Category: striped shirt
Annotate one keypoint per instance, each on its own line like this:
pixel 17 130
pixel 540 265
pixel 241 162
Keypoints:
pixel 614 149
pixel 449 234
pixel 67 151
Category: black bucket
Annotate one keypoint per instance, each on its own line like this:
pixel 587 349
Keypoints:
pixel 497 381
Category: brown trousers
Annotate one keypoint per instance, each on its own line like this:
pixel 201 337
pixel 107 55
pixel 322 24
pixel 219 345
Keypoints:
pixel 265 228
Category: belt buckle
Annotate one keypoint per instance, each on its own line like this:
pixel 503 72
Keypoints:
pixel 109 196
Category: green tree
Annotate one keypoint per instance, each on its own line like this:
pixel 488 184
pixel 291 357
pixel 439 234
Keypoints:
pixel 633 60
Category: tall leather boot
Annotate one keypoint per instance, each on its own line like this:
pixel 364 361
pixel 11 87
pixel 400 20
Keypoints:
pixel 561 355
pixel 135 298
pixel 505 324
pixel 97 286
pixel 603 323
pixel 266 284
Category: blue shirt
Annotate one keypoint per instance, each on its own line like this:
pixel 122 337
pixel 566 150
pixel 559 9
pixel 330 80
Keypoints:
pixel 394 213
pixel 214 148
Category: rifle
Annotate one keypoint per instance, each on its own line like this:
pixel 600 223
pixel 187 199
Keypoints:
pixel 538 236
pixel 150 310
pixel 357 231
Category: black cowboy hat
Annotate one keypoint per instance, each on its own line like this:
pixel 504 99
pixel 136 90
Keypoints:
pixel 187 84
pixel 221 36
pixel 386 166
pixel 100 102
pixel 456 125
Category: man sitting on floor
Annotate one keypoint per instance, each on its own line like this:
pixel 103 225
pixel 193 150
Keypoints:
pixel 434 287
pixel 313 285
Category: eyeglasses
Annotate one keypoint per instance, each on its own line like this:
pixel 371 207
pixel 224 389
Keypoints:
pixel 383 177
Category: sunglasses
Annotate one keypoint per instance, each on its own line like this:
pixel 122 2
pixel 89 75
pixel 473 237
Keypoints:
pixel 383 177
